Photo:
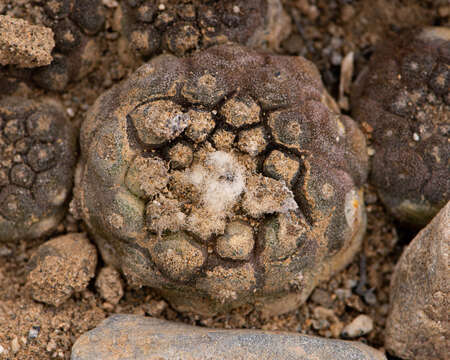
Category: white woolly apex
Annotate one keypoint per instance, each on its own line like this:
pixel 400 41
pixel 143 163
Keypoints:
pixel 220 182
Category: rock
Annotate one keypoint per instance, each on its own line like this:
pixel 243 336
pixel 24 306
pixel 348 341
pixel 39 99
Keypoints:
pixel 24 44
pixel 34 332
pixel 127 337
pixel 360 326
pixel 418 325
pixel 402 101
pixel 109 285
pixel 60 267
pixel 176 201
pixel 15 346
pixel 321 297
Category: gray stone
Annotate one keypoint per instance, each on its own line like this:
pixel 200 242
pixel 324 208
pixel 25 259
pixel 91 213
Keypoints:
pixel 418 325
pixel 135 337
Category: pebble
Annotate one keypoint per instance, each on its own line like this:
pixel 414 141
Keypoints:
pixel 347 12
pixel 15 346
pixel 51 345
pixel 110 3
pixel 60 267
pixel 360 326
pixel 444 11
pixel 155 308
pixel 336 58
pixel 350 283
pixel 2 350
pixel 371 198
pixel 321 297
pixel 70 112
pixel 343 294
pixel 34 332
pixel 109 285
pixel 370 298
pixel 5 251
pixel 121 337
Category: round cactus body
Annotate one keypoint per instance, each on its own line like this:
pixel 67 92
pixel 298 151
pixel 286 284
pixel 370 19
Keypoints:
pixel 38 154
pixel 76 52
pixel 179 27
pixel 223 179
pixel 402 101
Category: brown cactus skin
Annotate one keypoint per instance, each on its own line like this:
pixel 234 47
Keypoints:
pixel 76 52
pixel 224 228
pixel 38 154
pixel 150 27
pixel 402 100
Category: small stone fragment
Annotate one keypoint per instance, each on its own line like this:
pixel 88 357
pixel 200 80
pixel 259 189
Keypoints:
pixel 15 346
pixel 360 326
pixel 34 332
pixel 120 336
pixel 321 297
pixel 155 307
pixel 72 48
pixel 109 285
pixel 60 267
pixel 418 325
pixel 51 345
pixel 24 44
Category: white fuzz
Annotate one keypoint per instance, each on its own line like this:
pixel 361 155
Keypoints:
pixel 220 182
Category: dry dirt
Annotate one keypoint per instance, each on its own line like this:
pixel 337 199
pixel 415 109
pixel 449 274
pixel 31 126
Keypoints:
pixel 325 31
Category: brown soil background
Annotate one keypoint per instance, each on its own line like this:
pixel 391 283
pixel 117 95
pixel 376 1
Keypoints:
pixel 324 32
